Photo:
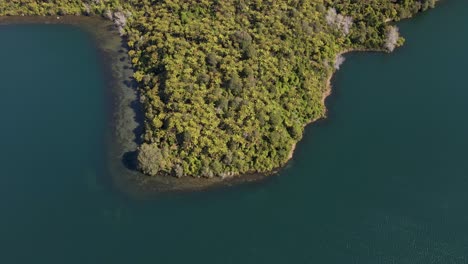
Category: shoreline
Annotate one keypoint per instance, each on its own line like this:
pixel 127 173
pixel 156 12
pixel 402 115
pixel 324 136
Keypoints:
pixel 148 187
pixel 122 116
pixel 327 92
pixel 126 120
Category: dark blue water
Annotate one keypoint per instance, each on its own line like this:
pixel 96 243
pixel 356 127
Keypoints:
pixel 382 180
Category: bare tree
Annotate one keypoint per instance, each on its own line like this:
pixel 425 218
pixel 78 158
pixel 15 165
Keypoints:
pixel 392 38
pixel 178 171
pixel 108 14
pixel 331 16
pixel 343 23
pixel 346 25
pixel 120 20
pixel 338 61
pixel 87 9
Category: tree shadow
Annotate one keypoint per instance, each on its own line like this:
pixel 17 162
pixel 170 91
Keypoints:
pixel 137 109
pixel 129 158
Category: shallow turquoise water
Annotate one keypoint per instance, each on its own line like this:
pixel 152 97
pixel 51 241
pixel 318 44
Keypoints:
pixel 382 180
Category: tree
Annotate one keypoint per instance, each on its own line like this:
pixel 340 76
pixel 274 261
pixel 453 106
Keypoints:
pixel 392 38
pixel 338 61
pixel 150 159
pixel 235 84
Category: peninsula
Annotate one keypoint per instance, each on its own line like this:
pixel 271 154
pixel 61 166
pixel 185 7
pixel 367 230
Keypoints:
pixel 227 86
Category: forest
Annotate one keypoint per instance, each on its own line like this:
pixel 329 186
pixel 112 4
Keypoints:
pixel 228 86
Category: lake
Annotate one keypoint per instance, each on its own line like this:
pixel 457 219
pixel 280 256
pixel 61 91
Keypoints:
pixel 383 179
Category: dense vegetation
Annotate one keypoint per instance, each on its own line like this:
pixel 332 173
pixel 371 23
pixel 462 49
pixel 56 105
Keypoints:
pixel 228 85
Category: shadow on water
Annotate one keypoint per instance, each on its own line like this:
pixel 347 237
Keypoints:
pixel 137 108
pixel 123 109
pixel 129 158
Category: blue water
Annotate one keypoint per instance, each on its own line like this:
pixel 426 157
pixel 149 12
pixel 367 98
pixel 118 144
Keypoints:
pixel 382 180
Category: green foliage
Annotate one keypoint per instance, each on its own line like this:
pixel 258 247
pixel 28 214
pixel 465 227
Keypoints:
pixel 152 160
pixel 228 86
